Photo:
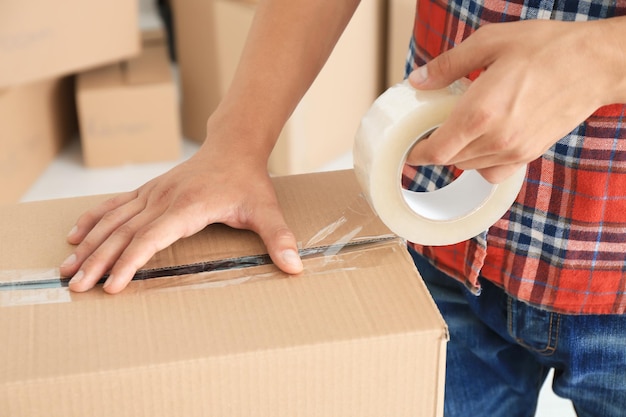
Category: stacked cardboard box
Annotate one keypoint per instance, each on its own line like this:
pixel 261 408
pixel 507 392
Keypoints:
pixel 37 119
pixel 356 334
pixel 49 41
pixel 42 44
pixel 209 40
pixel 42 39
pixel 128 111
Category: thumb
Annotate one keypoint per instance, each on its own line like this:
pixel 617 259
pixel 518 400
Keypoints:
pixel 448 67
pixel 280 241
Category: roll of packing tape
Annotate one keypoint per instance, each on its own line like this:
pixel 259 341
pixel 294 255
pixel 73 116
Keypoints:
pixel 464 208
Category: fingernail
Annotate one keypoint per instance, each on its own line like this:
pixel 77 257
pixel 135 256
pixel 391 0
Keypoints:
pixel 291 257
pixel 73 231
pixel 420 75
pixel 69 261
pixel 77 277
pixel 108 281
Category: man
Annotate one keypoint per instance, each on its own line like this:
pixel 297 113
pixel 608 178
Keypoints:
pixel 550 272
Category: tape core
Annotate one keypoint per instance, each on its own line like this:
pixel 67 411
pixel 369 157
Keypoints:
pixel 459 198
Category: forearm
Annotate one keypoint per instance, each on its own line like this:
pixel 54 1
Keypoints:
pixel 612 46
pixel 288 44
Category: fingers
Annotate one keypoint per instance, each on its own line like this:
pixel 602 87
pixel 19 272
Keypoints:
pixel 103 247
pixel 474 53
pixel 466 123
pixel 96 226
pixel 89 219
pixel 498 174
pixel 137 251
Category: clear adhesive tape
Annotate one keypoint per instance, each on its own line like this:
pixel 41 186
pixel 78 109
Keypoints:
pixel 464 208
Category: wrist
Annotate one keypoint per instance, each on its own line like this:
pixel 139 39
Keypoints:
pixel 612 33
pixel 237 138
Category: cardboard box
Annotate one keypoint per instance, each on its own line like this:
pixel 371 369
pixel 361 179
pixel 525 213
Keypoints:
pixel 37 120
pixel 42 39
pixel 196 55
pixel 128 111
pixel 400 20
pixel 356 334
pixel 322 127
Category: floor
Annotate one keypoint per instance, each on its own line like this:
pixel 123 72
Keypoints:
pixel 67 177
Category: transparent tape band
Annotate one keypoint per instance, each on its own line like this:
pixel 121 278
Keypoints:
pixel 323 252
pixel 467 206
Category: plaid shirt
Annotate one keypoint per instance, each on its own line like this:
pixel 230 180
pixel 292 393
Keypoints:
pixel 562 245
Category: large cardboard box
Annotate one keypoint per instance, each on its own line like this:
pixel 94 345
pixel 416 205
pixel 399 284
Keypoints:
pixel 356 334
pixel 43 39
pixel 209 39
pixel 36 121
pixel 128 111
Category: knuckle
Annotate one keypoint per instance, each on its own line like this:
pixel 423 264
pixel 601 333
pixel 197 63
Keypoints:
pixel 115 201
pixel 443 64
pixel 110 217
pixel 129 262
pixel 146 240
pixel 438 158
pixel 432 155
pixel 86 247
pixel 512 146
pixel 96 262
pixel 479 120
pixel 492 176
pixel 87 219
pixel 517 154
pixel 125 231
pixel 502 144
pixel 486 33
pixel 183 201
pixel 283 233
pixel 162 195
pixel 144 235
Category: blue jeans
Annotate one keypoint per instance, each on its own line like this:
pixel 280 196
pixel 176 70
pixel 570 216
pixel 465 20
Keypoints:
pixel 501 350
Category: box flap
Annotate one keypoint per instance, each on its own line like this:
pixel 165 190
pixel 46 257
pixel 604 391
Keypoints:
pixel 326 211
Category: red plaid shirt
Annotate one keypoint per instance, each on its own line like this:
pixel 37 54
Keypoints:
pixel 562 245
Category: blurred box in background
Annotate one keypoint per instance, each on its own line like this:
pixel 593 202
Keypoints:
pixel 196 54
pixel 209 39
pixel 128 111
pixel 400 19
pixel 41 39
pixel 37 119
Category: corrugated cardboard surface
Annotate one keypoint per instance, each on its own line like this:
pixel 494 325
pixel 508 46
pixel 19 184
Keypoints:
pixel 355 334
pixel 323 125
pixel 128 111
pixel 36 121
pixel 42 39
